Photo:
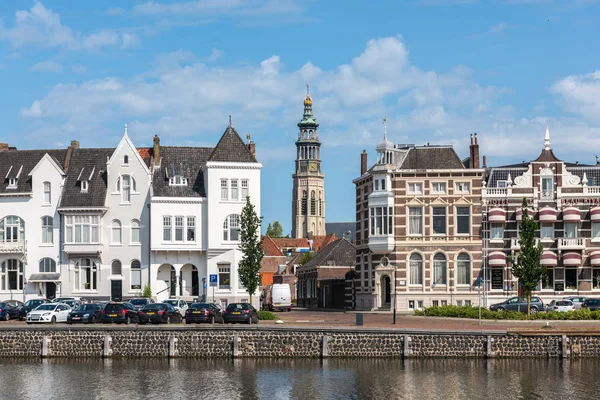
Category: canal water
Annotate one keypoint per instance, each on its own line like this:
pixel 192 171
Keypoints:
pixel 299 379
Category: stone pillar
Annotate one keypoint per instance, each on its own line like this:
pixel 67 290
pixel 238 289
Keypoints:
pixel 406 342
pixel 325 347
pixel 565 352
pixel 235 346
pixel 173 347
pixel 45 347
pixel 107 350
pixel 488 351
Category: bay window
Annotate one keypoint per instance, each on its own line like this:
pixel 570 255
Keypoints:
pixel 11 275
pixel 382 221
pixel 12 229
pixel 82 229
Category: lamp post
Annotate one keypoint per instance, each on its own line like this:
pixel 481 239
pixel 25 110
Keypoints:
pixel 394 295
pixel 451 295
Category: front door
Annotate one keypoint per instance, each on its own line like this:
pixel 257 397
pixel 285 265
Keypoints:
pixel 50 290
pixel 116 290
pixel 387 299
pixel 173 283
pixel 195 288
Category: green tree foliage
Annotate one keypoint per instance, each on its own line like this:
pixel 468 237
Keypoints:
pixel 527 267
pixel 147 293
pixel 251 246
pixel 306 258
pixel 275 230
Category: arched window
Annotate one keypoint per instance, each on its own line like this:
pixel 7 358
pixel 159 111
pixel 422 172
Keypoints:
pixel 12 229
pixel 231 228
pixel 125 159
pixel 135 231
pixel 86 275
pixel 47 265
pixel 116 268
pixel 320 204
pixel 439 269
pixel 463 269
pixel 313 203
pixel 47 230
pixel 116 231
pixel 416 269
pixel 47 193
pixel 11 275
pixel 136 275
pixel 125 186
pixel 304 202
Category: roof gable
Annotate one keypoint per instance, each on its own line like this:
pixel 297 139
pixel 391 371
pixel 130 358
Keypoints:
pixel 20 163
pixel 270 248
pixel 125 140
pixel 231 148
pixel 338 253
pixel 52 161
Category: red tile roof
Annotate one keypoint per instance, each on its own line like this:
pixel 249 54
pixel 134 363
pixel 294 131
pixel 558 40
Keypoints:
pixel 289 242
pixel 271 264
pixel 270 248
pixel 320 242
pixel 145 153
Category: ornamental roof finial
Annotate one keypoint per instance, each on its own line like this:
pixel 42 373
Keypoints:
pixel 547 139
pixel 307 99
pixel 125 130
pixel 384 128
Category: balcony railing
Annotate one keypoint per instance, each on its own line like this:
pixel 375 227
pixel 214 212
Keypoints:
pixel 547 194
pixel 496 191
pixel 515 245
pixel 571 243
pixel 13 247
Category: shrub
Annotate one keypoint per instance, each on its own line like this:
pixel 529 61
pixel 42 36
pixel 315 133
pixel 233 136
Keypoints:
pixel 266 316
pixel 473 313
pixel 147 293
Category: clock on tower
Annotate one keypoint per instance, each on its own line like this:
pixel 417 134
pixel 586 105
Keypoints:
pixel 312 167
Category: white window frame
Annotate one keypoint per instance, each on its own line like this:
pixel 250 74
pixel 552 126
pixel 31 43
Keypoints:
pixel 382 221
pixel 496 231
pixel 456 221
pixel 177 180
pixel 231 222
pixel 501 184
pixel 463 264
pixel 116 267
pixel 47 193
pixel 245 189
pixel 224 189
pixel 434 216
pixel 12 183
pixel 190 228
pixel 547 225
pixel 462 187
pixel 421 220
pixel 235 190
pixel 47 229
pixel 438 187
pixel 179 228
pixel 79 272
pixel 84 186
pixel 47 264
pixel 439 273
pixel 135 272
pixel 224 271
pixel 574 225
pixel 135 227
pixel 167 228
pixel 415 188
pixel 415 269
pixel 116 232
pixel 82 225
pixel 9 267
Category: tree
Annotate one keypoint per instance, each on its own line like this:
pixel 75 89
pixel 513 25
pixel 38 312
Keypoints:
pixel 251 246
pixel 275 230
pixel 306 258
pixel 527 267
pixel 147 291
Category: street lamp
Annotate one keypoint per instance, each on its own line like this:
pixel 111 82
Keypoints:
pixel 394 295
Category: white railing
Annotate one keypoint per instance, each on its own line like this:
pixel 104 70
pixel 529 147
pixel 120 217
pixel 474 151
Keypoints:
pixel 571 243
pixel 12 247
pixel 495 191
pixel 591 190
pixel 515 245
pixel 547 194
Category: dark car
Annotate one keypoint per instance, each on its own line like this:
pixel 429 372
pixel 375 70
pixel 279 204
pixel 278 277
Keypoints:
pixel 8 311
pixel 14 303
pixel 519 304
pixel 203 312
pixel 241 312
pixel 140 302
pixel 30 305
pixel 159 314
pixel 87 313
pixel 120 313
pixel 591 304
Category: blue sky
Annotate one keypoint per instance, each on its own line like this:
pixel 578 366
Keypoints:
pixel 437 69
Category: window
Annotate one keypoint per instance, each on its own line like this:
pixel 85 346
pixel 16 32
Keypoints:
pixel 383 184
pixel 547 230
pixel 590 182
pixel 497 231
pixel 224 277
pixel 82 229
pixel 125 159
pixel 47 193
pixel 191 229
pixel 47 265
pixel 439 220
pixel 570 229
pixel 548 280
pixel 415 188
pixel 244 189
pixel 116 232
pixel 376 183
pixel 463 269
pixel 12 183
pixel 416 269
pixel 116 268
pixel 47 230
pixel 86 275
pixel 224 191
pixel 438 187
pixel 167 229
pixel 463 187
pixel 126 189
pixel 84 186
pixel 570 278
pixel 234 190
pixel 179 229
pixel 595 230
pixel 12 275
pixel 12 229
pixel 313 203
pixel 177 180
pixel 439 269
pixel 547 188
pixel 231 228
pixel 415 221
pixel 463 220
pixel 304 205
pixel 136 275
pixel 382 221
pixel 135 231
pixel 596 278
pixel 501 184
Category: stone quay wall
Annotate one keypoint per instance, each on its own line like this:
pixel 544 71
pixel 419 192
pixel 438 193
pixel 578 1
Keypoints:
pixel 275 342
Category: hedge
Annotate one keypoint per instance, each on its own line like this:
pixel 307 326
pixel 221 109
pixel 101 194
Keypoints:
pixel 266 315
pixel 473 312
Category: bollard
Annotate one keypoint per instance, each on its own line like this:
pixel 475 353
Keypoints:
pixel 359 319
pixel 406 345
pixel 173 347
pixel 45 347
pixel 325 347
pixel 235 346
pixel 107 350
pixel 488 348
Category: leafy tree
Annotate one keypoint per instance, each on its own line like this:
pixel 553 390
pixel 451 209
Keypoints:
pixel 527 267
pixel 251 246
pixel 306 258
pixel 275 230
pixel 147 293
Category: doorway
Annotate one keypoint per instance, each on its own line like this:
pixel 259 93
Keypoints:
pixel 50 290
pixel 386 296
pixel 172 291
pixel 195 286
pixel 116 290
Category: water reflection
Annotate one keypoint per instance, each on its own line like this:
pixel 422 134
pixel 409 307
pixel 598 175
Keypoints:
pixel 298 379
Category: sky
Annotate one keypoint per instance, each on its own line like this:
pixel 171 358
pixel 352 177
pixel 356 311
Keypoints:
pixel 438 70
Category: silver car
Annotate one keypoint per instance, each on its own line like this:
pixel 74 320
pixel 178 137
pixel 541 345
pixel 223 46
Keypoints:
pixel 577 301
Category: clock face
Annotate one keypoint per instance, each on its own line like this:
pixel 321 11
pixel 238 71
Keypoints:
pixel 312 166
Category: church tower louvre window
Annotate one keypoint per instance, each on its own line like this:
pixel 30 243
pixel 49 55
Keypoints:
pixel 308 196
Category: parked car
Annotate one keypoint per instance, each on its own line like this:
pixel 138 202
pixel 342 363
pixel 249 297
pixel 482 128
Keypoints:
pixel 87 313
pixel 277 297
pixel 241 312
pixel 204 312
pixel 159 313
pixel 63 299
pixel 8 311
pixel 519 304
pixel 560 306
pixel 30 305
pixel 49 313
pixel 577 300
pixel 179 305
pixel 120 313
pixel 140 302
pixel 15 303
pixel 74 303
pixel 591 304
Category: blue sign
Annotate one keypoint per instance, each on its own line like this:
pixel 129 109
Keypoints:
pixel 478 281
pixel 213 279
pixel 204 285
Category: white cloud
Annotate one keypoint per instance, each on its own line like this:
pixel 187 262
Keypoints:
pixel 101 39
pixel 129 40
pixel 79 69
pixel 581 94
pixel 215 54
pixel 218 7
pixel 500 27
pixel 47 66
pixel 115 11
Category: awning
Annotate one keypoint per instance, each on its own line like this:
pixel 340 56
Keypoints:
pixel 497 215
pixel 44 277
pixel 548 214
pixel 595 258
pixel 497 258
pixel 549 259
pixel 595 214
pixel 571 259
pixel 520 213
pixel 571 214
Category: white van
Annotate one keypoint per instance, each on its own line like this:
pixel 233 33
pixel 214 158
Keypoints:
pixel 278 297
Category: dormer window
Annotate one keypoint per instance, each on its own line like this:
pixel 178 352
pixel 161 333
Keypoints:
pixel 177 180
pixel 12 183
pixel 84 186
pixel 126 160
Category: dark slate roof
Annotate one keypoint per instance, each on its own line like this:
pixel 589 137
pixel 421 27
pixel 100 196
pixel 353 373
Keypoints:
pixel 592 173
pixel 24 160
pixel 338 253
pixel 432 157
pixel 341 228
pixel 231 148
pixel 501 174
pixel 547 156
pixel 185 161
pixel 87 160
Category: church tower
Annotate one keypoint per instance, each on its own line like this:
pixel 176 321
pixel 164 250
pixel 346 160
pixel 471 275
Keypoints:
pixel 308 197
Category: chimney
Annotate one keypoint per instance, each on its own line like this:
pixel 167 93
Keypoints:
pixel 4 147
pixel 156 150
pixel 363 162
pixel 74 144
pixel 471 151
pixel 252 149
pixel 484 161
pixel 474 152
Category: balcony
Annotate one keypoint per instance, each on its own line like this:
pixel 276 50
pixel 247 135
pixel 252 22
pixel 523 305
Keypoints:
pixel 13 247
pixel 571 243
pixel 515 245
pixel 547 194
pixel 83 248
pixel 381 244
